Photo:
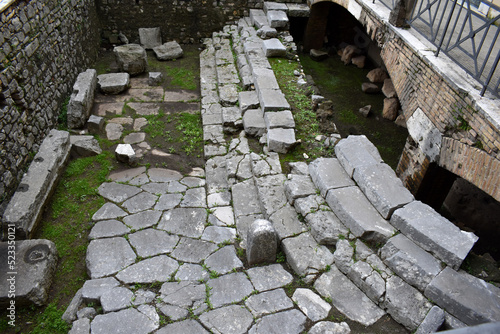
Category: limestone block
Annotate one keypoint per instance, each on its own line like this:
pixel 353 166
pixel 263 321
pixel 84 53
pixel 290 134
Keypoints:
pixel 311 304
pixel 150 37
pixel 231 119
pixel 168 51
pixel 82 99
pixel 305 256
pixel 281 140
pixel 125 153
pixel 264 78
pixel 356 151
pixel 357 214
pixel 267 32
pixel 228 95
pixel 155 78
pixel 84 146
pixel 477 302
pixel 298 186
pixel 326 228
pixel 279 119
pixel 327 173
pixel 25 207
pixel 31 276
pixel 253 122
pixel 81 326
pixel 269 6
pixel 255 14
pixel 262 242
pixel 272 100
pixel 248 100
pixel 277 19
pixel 95 124
pixel 410 262
pixel 432 322
pixel 434 233
pixel 131 58
pixel 273 48
pixel 330 327
pixel 113 83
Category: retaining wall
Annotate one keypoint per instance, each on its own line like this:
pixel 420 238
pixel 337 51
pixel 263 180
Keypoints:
pixel 44 44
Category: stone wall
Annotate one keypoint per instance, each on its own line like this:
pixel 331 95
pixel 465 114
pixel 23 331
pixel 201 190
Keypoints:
pixel 44 44
pixel 182 20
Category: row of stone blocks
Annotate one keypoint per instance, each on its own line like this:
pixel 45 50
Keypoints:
pixel 413 261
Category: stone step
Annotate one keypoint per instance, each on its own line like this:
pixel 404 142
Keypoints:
pixel 434 233
pixel 356 151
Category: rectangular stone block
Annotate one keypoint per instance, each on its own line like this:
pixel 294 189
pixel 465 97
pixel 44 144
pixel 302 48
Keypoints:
pixel 382 188
pixel 327 173
pixel 356 151
pixel 248 100
pixel 25 207
pixel 470 299
pixel 277 19
pixel 265 79
pixel 410 262
pixel 356 212
pixel 298 186
pixel 150 37
pixel 273 47
pixel 272 100
pixel 298 10
pixel 82 99
pixel 253 122
pixel 279 119
pixel 280 140
pixel 268 6
pixel 434 233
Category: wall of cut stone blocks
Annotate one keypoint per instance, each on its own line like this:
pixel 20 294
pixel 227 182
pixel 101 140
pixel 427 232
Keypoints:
pixel 44 44
pixel 181 20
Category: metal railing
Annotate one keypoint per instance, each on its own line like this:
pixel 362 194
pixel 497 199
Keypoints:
pixel 467 34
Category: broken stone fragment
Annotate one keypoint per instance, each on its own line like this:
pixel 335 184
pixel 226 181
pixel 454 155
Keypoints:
pixel 131 58
pixel 125 153
pixel 113 83
pixel 377 75
pixel 168 51
pixel 84 146
pixel 318 55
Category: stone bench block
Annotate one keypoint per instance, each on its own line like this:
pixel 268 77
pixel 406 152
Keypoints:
pixel 131 58
pixel 248 100
pixel 150 37
pixel 405 303
pixel 434 233
pixel 281 140
pixel 35 264
pixel 113 83
pixel 82 99
pixel 357 214
pixel 383 188
pixel 277 19
pixel 327 173
pixel 279 119
pixel 268 6
pixel 347 297
pixel 356 151
pixel 468 298
pixel 264 78
pixel 25 207
pixel 253 122
pixel 273 47
pixel 298 186
pixel 410 262
pixel 272 100
pixel 298 10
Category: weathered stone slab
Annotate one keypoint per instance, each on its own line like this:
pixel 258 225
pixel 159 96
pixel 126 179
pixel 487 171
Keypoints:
pixel 253 122
pixel 163 175
pixel 269 277
pixel 227 74
pixel 248 100
pixel 123 152
pixel 383 188
pixel 113 83
pixel 404 303
pixel 273 47
pixel 168 51
pixel 410 262
pixel 229 289
pixel 286 223
pixel 281 140
pixel 150 37
pixel 327 173
pixel 348 298
pixel 268 302
pixel 245 198
pixel 117 192
pixel 305 256
pixel 142 201
pixel 125 321
pixel 84 146
pixel 309 204
pixel 186 326
pixel 116 299
pixel 269 6
pixel 82 99
pixel 311 304
pixel 264 78
pixel 108 256
pixel 108 228
pixel 226 320
pixel 290 322
pixel 92 290
pixel 108 211
pixel 189 222
pixel 194 198
pixel 271 193
pixel 357 214
pixel 434 233
pixel 156 269
pixel 191 272
pixel 219 234
pixel 216 175
pixel 184 295
pixel 356 151
pixel 193 250
pixel 298 10
pixel 272 100
pixel 330 327
pixel 143 219
pixel 25 207
pixel 131 58
pixel 326 228
pixel 432 322
pixel 80 326
pixel 477 302
pixel 224 260
pixel 150 242
pixel 231 119
pixel 277 18
pixel 279 119
pixel 30 277
pixel 267 32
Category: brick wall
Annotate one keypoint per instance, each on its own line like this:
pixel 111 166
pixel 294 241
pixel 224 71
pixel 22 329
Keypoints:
pixel 44 44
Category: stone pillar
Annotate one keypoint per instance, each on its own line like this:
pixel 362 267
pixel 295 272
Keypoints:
pixel 262 242
pixel 316 26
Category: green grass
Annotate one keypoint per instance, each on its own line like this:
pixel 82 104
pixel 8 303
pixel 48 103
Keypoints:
pixel 182 77
pixel 192 132
pixel 50 322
